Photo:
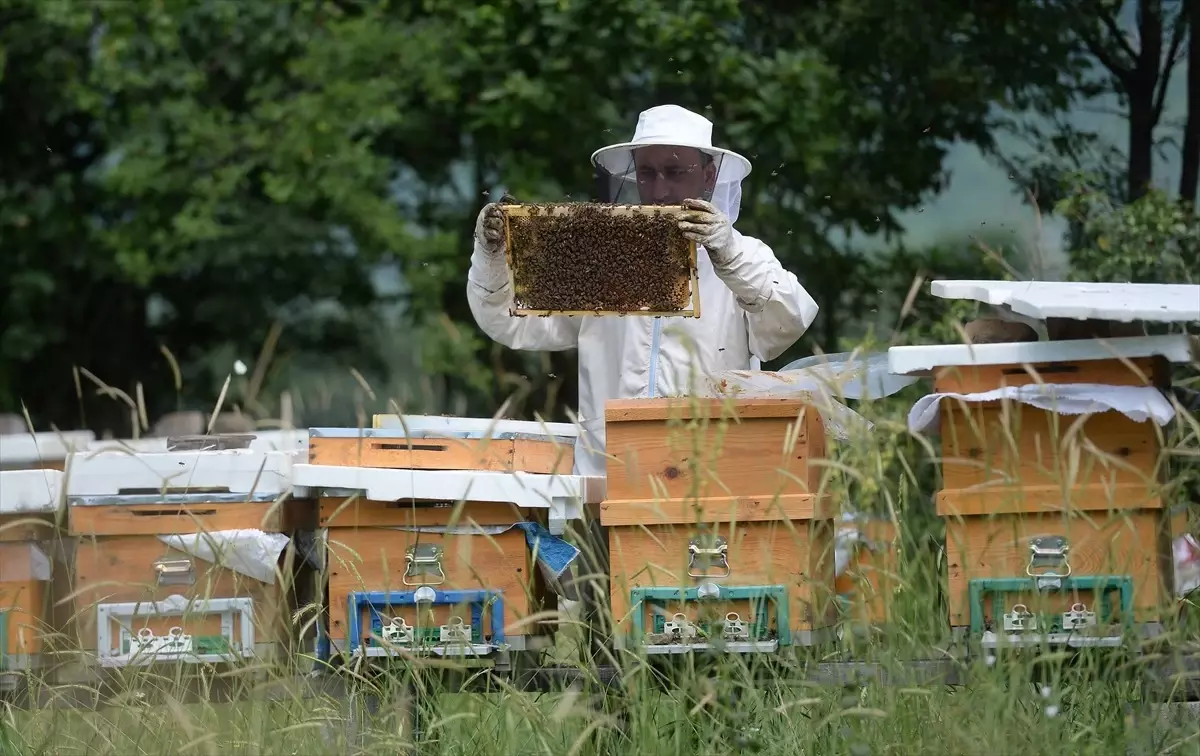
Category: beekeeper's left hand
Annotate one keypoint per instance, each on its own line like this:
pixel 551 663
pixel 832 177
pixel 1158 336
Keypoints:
pixel 704 224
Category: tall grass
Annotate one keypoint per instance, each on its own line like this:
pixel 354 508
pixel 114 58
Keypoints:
pixel 818 700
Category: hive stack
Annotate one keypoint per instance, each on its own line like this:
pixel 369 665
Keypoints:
pixel 430 525
pixel 720 535
pixel 184 555
pixel 29 501
pixel 1056 530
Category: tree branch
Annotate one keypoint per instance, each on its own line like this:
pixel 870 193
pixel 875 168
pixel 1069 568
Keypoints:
pixel 1122 73
pixel 1110 22
pixel 1178 35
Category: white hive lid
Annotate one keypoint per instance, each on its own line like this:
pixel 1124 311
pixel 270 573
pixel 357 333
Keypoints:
pixel 1125 303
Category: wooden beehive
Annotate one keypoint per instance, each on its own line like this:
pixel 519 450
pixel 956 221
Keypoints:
pixel 725 493
pixel 452 494
pixel 1013 473
pixel 597 259
pixel 506 446
pixel 29 502
pixel 149 562
pixel 868 586
pixel 377 547
pixel 1055 522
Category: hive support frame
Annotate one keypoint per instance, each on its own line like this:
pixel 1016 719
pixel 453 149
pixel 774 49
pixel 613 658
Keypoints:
pixel 764 595
pixel 1101 585
pixel 242 646
pixel 478 601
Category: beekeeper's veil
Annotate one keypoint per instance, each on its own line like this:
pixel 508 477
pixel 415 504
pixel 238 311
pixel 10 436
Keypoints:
pixel 666 179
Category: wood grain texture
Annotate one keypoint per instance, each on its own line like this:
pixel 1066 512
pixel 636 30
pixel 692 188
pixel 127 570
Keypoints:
pixel 26 527
pixel 1143 371
pixel 1016 444
pixel 359 512
pixel 771 449
pixel 872 578
pixel 504 455
pixel 717 509
pixel 25 604
pixel 373 559
pixel 797 555
pixel 1120 543
pixel 996 500
pixel 114 569
pixel 176 519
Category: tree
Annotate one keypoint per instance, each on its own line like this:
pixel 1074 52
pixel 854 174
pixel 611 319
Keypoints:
pixel 1136 67
pixel 253 162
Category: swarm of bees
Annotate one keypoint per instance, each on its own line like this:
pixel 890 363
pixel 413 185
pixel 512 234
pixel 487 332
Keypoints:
pixel 597 258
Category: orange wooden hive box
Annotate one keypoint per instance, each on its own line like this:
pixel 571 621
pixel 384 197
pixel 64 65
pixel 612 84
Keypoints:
pixel 719 529
pixel 29 501
pixel 427 524
pixel 185 556
pixel 867 587
pixel 1056 529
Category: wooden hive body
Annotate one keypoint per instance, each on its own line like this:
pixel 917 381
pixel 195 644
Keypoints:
pixel 684 473
pixel 148 561
pixel 870 582
pixel 376 547
pixel 29 502
pixel 427 531
pixel 509 446
pixel 1018 478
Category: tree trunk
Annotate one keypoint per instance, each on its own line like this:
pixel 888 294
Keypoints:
pixel 1142 88
pixel 1190 175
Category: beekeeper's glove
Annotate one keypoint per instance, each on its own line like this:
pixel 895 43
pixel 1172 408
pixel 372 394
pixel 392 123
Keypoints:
pixel 489 230
pixel 704 224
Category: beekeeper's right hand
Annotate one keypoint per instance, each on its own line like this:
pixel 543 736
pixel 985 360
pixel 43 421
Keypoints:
pixel 489 230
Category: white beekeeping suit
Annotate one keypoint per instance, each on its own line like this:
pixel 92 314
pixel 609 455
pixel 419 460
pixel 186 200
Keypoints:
pixel 751 308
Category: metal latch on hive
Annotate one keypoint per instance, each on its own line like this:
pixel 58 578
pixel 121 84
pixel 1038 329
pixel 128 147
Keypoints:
pixel 1048 564
pixel 174 572
pixel 424 565
pixel 1020 619
pixel 680 629
pixel 397 632
pixel 702 558
pixel 454 631
pixel 1078 617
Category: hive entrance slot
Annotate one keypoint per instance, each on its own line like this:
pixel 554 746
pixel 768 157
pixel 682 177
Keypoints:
pixel 412 447
pixel 183 491
pixel 1045 370
pixel 173 512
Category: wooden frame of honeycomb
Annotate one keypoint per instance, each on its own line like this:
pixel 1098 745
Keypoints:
pixel 608 260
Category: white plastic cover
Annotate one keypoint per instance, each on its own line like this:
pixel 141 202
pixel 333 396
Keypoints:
pixel 1138 403
pixel 1156 303
pixel 249 552
pixel 1187 564
pixel 30 491
pixel 846 375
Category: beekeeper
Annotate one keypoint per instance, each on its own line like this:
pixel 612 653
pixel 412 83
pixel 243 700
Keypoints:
pixel 752 309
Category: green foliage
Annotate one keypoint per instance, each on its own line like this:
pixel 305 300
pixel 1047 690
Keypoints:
pixel 183 175
pixel 1153 240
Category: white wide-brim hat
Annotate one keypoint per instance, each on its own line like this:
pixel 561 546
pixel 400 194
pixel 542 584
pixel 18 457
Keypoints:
pixel 671 126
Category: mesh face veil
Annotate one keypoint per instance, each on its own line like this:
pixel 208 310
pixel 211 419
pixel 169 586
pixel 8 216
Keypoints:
pixel 663 174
